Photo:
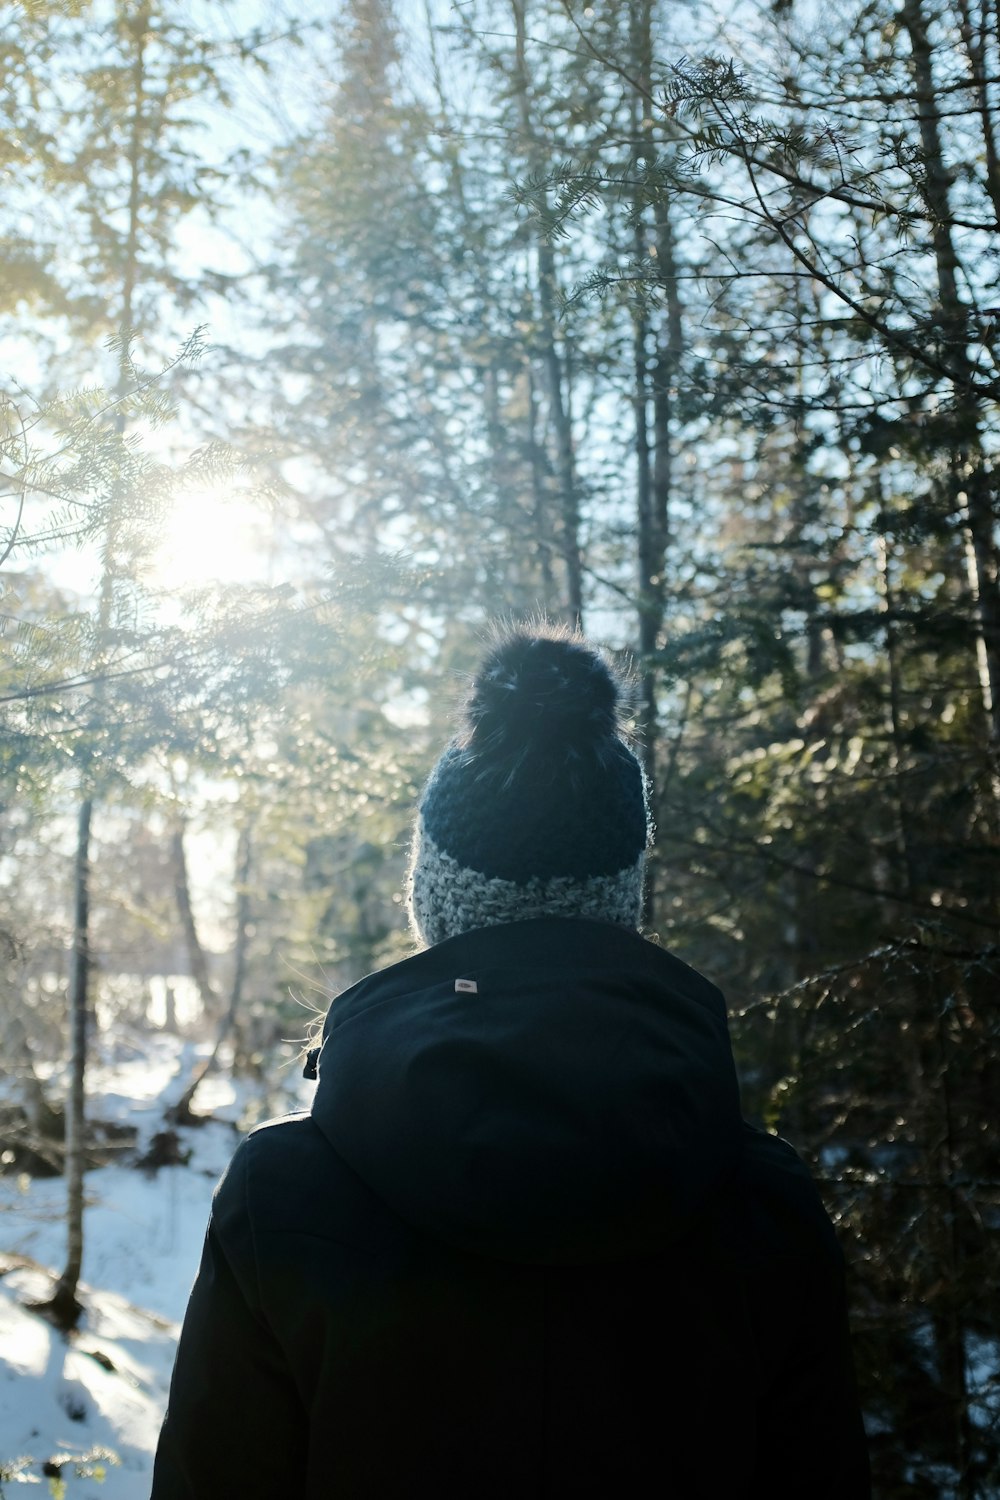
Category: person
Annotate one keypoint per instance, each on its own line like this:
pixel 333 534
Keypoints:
pixel 523 1244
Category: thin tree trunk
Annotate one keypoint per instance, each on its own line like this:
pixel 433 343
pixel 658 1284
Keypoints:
pixel 139 27
pixel 669 347
pixel 499 446
pixel 553 363
pixel 949 1325
pixel 975 507
pixel 543 536
pixel 974 485
pixel 974 503
pixel 648 563
pixel 569 506
pixel 973 37
pixel 197 960
pixel 241 943
pixel 181 1112
pixel 64 1307
pixel 654 384
pixel 904 840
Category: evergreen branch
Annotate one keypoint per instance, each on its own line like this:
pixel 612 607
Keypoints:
pixel 8 406
pixel 762 851
pixel 890 335
pixel 185 658
pixel 880 955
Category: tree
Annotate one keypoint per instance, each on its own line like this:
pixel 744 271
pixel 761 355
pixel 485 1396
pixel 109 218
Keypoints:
pixel 144 65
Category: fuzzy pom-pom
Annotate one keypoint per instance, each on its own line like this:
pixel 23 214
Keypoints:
pixel 542 693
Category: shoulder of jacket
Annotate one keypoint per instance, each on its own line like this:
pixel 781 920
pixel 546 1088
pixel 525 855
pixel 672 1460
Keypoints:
pixel 773 1160
pixel 280 1149
pixel 279 1122
pixel 782 1201
pixel 289 1146
pixel 288 1180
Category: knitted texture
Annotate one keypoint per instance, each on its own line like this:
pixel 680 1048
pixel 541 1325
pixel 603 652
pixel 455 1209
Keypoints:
pixel 448 898
pixel 539 808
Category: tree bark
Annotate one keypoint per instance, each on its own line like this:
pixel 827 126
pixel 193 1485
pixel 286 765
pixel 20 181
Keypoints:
pixel 973 39
pixel 904 838
pixel 553 362
pixel 655 379
pixel 241 943
pixel 974 503
pixel 181 1113
pixel 197 961
pixel 974 484
pixel 543 534
pixel 64 1307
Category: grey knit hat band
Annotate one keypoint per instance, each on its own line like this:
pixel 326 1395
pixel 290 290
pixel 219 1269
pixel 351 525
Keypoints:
pixel 538 807
pixel 447 898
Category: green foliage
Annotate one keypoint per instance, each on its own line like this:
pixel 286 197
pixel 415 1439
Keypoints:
pixel 907 1165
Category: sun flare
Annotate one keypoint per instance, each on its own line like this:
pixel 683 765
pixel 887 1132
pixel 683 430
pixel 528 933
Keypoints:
pixel 212 534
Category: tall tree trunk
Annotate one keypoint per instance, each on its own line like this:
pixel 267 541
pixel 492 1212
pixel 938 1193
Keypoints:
pixel 655 376
pixel 950 1333
pixel 976 508
pixel 647 563
pixel 898 754
pixel 975 504
pixel 975 485
pixel 181 1113
pixel 197 961
pixel 569 505
pixel 553 362
pixel 241 941
pixel 506 486
pixel 974 41
pixel 64 1307
pixel 542 530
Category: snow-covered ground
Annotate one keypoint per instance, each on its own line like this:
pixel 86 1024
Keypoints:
pixel 105 1387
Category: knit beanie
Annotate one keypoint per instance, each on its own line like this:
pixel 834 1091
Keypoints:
pixel 538 807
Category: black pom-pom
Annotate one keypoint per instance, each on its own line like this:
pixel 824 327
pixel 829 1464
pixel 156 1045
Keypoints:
pixel 541 694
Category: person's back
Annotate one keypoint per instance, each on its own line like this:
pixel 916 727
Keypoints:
pixel 523 1244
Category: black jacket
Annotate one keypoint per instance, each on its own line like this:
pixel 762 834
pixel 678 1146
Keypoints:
pixel 524 1245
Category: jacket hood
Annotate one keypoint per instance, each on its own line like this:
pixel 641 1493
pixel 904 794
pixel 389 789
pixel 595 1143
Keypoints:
pixel 556 1091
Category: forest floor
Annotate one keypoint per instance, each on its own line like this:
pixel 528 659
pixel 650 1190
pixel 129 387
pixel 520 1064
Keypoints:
pixel 64 1402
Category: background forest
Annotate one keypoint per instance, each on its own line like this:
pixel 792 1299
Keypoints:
pixel 333 333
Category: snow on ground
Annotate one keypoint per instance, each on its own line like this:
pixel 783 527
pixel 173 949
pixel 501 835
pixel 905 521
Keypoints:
pixel 106 1387
pixel 102 1390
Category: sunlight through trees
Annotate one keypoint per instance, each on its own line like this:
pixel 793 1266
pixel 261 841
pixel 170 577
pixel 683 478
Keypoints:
pixel 333 335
